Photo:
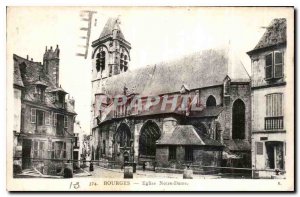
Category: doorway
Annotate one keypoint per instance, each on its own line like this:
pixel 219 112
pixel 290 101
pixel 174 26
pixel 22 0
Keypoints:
pixel 26 154
pixel 275 155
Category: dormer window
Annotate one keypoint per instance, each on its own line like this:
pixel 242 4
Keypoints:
pixel 40 93
pixel 58 97
pixel 274 65
pixel 61 99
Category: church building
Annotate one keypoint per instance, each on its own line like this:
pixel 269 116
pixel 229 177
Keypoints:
pixel 215 80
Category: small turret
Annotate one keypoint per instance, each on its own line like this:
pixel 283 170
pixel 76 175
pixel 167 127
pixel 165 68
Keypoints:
pixel 51 64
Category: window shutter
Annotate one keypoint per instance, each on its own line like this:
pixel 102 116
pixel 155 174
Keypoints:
pixel 66 121
pixel 54 119
pixel 50 116
pixel 33 115
pixel 47 118
pixel 274 105
pixel 269 66
pixel 278 64
pixel 259 148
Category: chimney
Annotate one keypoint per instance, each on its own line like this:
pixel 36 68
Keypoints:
pixel 31 59
pixel 27 57
pixel 57 51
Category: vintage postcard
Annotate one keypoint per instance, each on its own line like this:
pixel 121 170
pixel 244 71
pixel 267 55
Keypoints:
pixel 150 98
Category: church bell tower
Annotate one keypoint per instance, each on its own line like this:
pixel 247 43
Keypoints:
pixel 111 52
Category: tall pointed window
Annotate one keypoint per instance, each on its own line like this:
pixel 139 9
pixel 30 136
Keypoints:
pixel 121 61
pixel 125 63
pixel 100 61
pixel 238 120
pixel 150 133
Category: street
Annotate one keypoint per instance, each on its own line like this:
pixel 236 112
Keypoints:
pixel 118 173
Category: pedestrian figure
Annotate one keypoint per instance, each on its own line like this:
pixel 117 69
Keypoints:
pixel 91 166
pixel 154 165
pixel 68 173
pixel 144 166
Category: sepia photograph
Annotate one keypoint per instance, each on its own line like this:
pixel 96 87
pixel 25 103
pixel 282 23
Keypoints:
pixel 150 98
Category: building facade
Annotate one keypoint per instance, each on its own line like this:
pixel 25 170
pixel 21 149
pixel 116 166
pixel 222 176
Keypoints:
pixel 218 134
pixel 268 85
pixel 44 118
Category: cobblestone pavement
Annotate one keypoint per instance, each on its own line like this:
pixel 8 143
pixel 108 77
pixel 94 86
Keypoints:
pixel 118 173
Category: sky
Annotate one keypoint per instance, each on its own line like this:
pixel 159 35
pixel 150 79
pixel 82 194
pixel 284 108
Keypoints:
pixel 156 34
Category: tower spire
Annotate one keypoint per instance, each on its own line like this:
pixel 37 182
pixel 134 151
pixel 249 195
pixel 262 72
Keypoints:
pixel 111 51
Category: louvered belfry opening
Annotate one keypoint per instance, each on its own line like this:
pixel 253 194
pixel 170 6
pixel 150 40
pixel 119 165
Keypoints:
pixel 100 61
pixel 150 133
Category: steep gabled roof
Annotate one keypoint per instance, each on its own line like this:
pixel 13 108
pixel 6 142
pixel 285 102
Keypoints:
pixel 110 25
pixel 186 135
pixel 237 145
pixel 274 35
pixel 17 75
pixel 33 74
pixel 201 69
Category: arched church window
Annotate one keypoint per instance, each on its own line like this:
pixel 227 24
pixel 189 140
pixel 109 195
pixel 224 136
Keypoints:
pixel 100 61
pixel 150 133
pixel 123 136
pixel 238 120
pixel 211 101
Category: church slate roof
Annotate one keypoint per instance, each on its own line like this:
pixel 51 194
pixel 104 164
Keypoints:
pixel 198 70
pixel 274 35
pixel 109 26
pixel 237 145
pixel 213 111
pixel 186 135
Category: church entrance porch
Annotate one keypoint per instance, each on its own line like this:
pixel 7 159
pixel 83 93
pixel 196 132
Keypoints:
pixel 149 135
pixel 122 145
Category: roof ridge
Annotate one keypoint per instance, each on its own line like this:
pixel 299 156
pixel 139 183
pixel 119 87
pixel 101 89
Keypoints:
pixel 17 56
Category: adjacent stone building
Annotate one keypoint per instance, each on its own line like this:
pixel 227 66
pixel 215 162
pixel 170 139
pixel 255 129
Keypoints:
pixel 268 60
pixel 214 80
pixel 44 118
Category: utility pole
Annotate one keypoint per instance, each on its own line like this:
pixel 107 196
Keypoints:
pixel 86 15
